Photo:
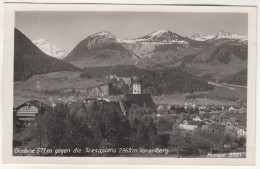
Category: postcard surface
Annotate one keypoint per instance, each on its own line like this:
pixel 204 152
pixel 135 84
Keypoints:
pixel 128 84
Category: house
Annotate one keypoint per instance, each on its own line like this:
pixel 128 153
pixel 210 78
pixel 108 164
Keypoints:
pixel 178 118
pixel 208 111
pixel 191 125
pixel 196 118
pixel 202 112
pixel 231 108
pixel 126 80
pixel 231 130
pixel 105 98
pixel 162 107
pixel 241 130
pixel 216 127
pixel 189 105
pixel 100 90
pixel 202 108
pixel 26 112
pixel 205 127
pixel 89 99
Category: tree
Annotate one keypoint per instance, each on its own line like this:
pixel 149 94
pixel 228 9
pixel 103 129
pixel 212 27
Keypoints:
pixel 164 124
pixel 177 140
pixel 199 140
pixel 106 122
pixel 63 127
pixel 112 132
pixel 152 132
pixel 141 135
pixel 51 126
pixel 228 139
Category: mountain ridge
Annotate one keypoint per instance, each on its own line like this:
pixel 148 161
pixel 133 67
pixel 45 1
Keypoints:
pixel 220 35
pixel 29 60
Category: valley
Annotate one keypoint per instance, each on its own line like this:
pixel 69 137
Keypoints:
pixel 101 83
pixel 175 69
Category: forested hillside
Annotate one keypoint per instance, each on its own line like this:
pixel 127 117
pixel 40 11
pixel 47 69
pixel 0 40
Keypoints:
pixel 155 81
pixel 29 60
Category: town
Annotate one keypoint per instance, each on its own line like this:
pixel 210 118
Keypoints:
pixel 188 128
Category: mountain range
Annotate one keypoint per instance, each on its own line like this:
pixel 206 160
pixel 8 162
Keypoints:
pixel 213 56
pixel 105 49
pixel 219 35
pixel 203 55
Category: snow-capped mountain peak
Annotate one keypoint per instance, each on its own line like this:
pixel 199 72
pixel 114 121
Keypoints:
pixel 201 37
pixel 219 35
pixel 159 33
pixel 162 36
pixel 104 35
pixel 50 49
pixel 224 34
pixel 100 39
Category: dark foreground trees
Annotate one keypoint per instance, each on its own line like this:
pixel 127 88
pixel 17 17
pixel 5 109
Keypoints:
pixel 101 125
pixel 96 125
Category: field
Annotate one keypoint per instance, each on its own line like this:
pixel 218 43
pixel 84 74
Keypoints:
pixel 34 87
pixel 222 94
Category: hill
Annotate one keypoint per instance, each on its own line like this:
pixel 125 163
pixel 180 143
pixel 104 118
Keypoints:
pixel 155 81
pixel 65 85
pixel 29 60
pixel 101 49
pixel 226 58
pixel 239 78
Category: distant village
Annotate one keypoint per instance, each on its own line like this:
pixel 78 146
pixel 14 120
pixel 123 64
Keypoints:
pixel 188 117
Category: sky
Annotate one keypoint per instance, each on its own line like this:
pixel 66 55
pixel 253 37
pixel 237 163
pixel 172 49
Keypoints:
pixel 67 29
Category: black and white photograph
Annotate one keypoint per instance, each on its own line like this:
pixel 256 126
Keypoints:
pixel 134 84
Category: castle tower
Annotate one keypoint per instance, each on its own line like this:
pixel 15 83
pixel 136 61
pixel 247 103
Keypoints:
pixel 137 86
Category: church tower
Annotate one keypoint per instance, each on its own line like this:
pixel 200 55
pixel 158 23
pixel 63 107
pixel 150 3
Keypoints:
pixel 137 86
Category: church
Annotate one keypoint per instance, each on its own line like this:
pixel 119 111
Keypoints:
pixel 136 97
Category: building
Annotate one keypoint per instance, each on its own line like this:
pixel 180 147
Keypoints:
pixel 126 80
pixel 232 108
pixel 137 86
pixel 191 125
pixel 89 99
pixel 100 90
pixel 26 112
pixel 216 128
pixel 189 106
pixel 196 118
pixel 142 100
pixel 241 130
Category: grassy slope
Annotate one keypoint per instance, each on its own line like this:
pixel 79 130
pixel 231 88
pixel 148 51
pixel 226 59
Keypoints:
pixel 107 55
pixel 33 87
pixel 227 95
